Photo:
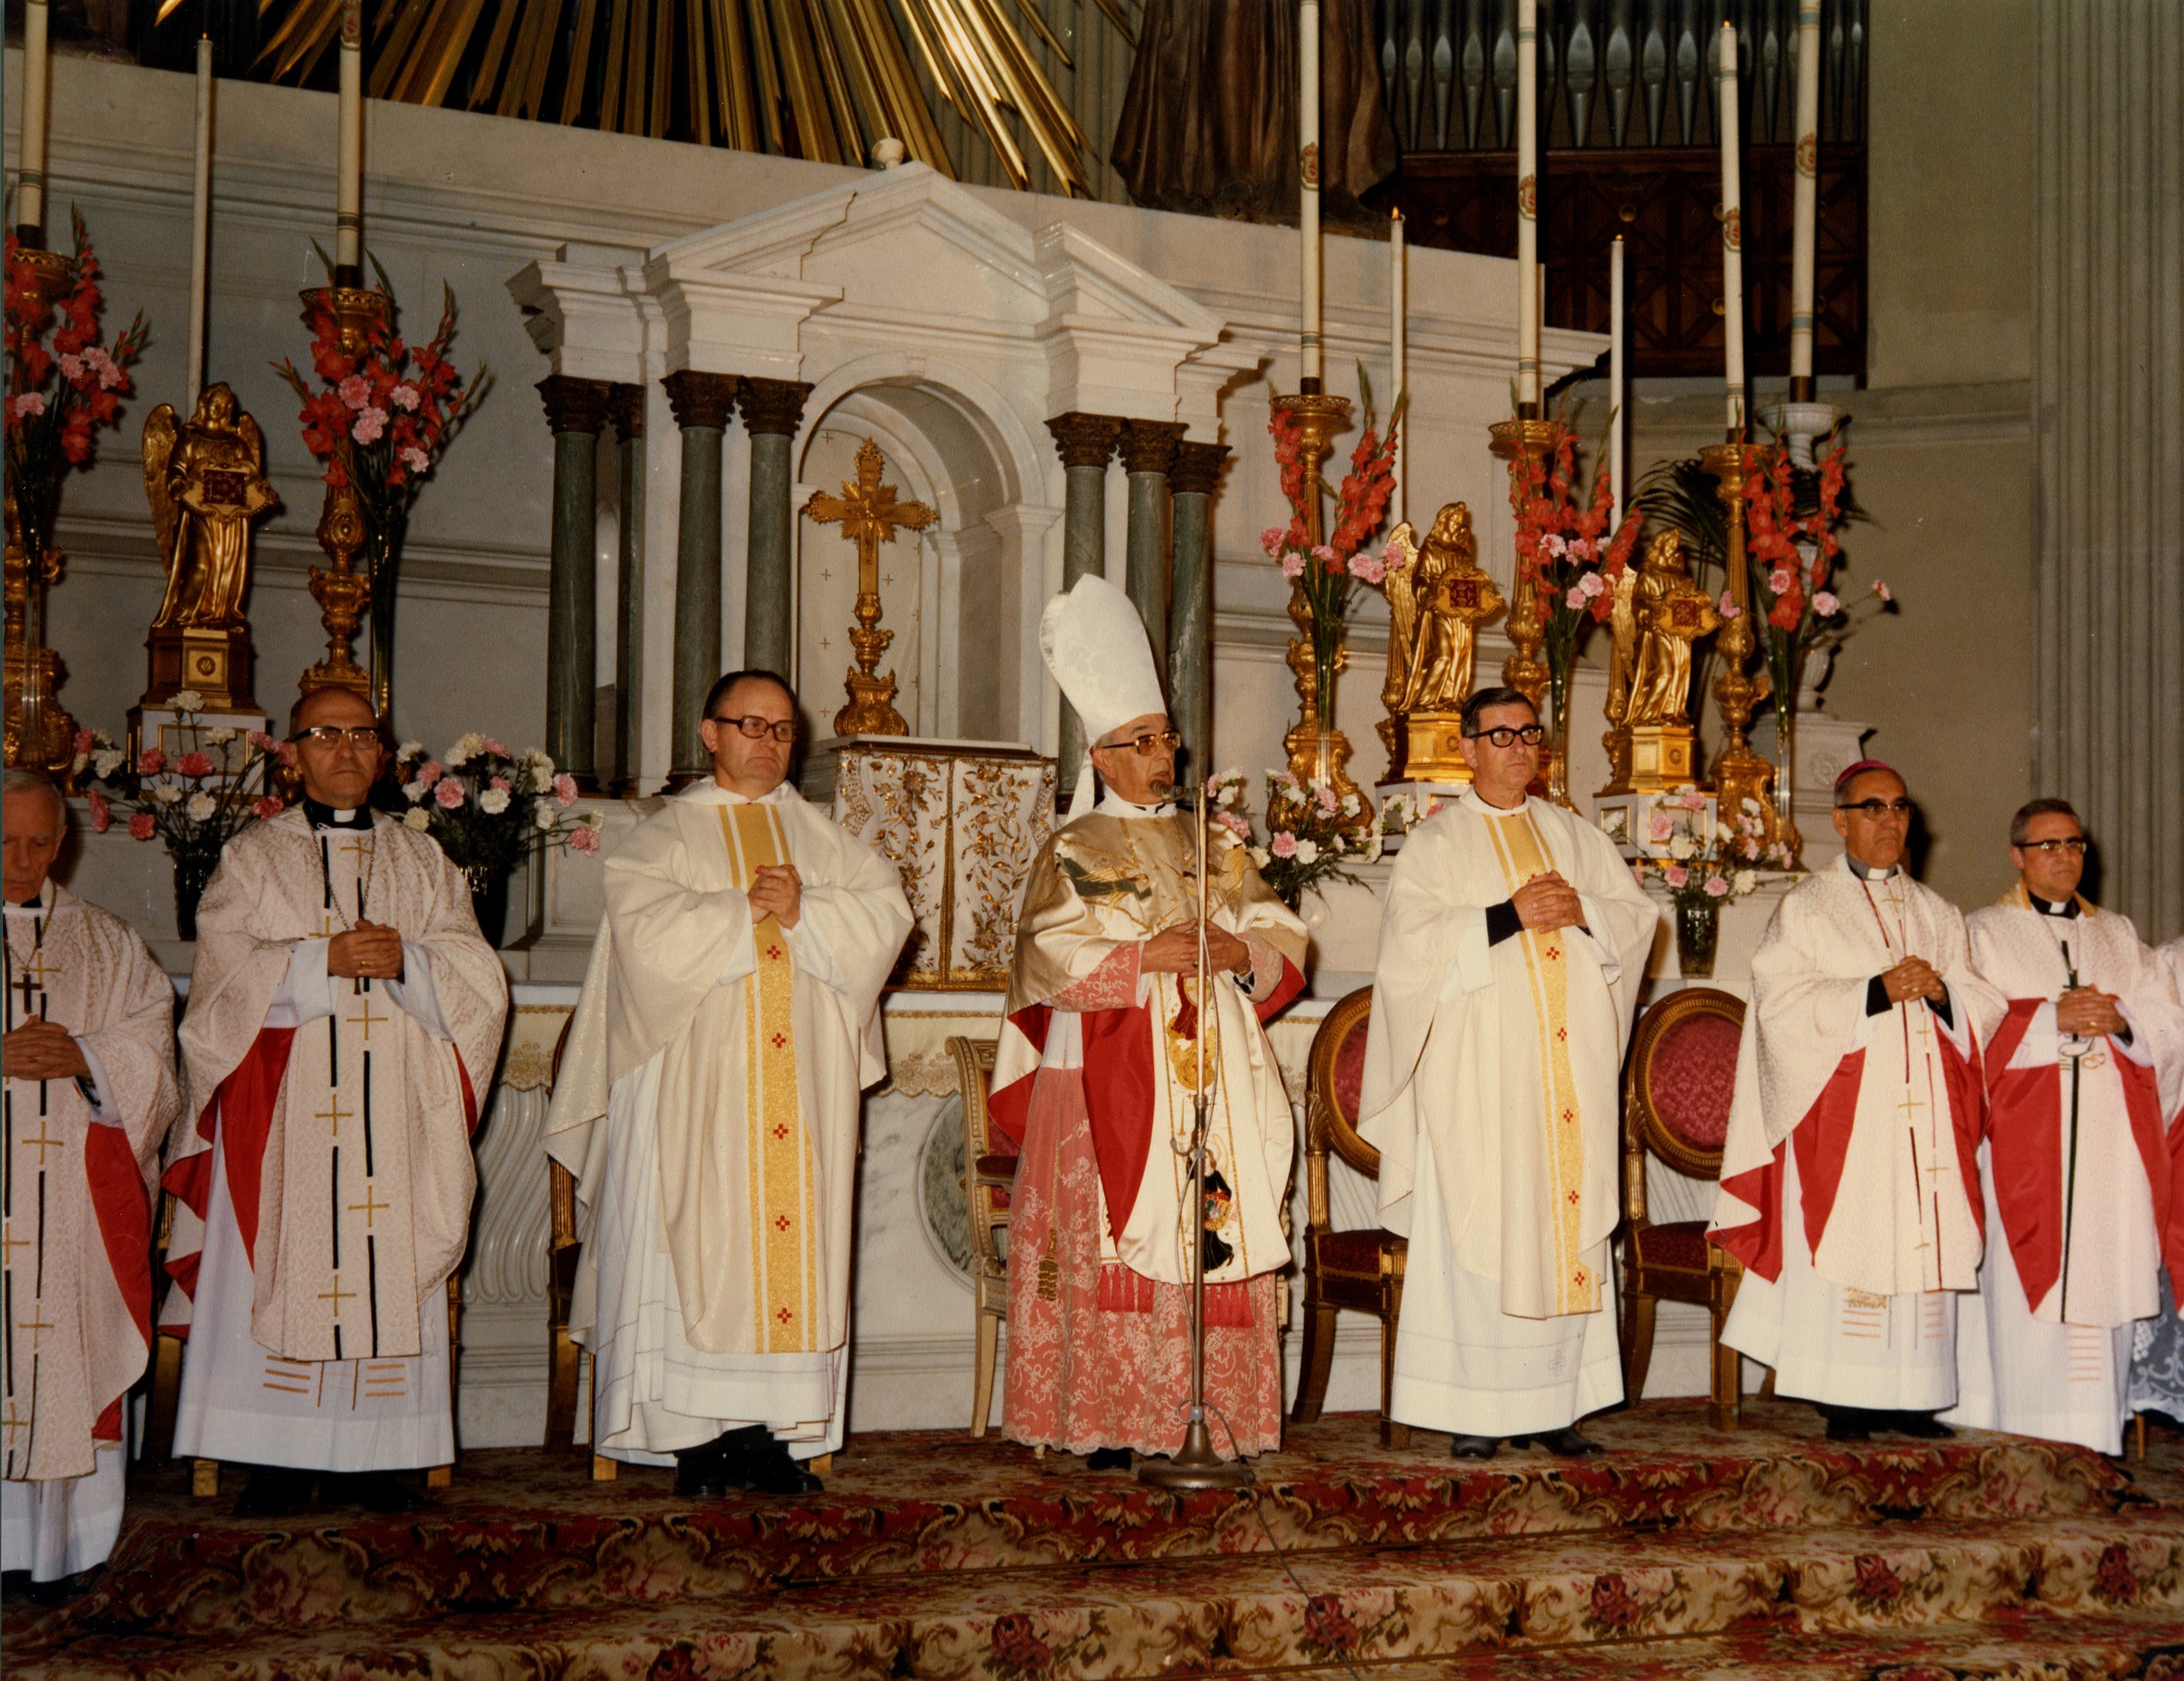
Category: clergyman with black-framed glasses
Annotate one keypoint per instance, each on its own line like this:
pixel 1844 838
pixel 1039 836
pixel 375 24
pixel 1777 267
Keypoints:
pixel 708 1107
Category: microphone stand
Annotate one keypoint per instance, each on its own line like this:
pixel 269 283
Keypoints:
pixel 1196 1465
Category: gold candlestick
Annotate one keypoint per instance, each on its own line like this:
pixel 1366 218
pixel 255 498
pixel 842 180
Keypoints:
pixel 1521 442
pixel 1317 751
pixel 39 734
pixel 868 515
pixel 1739 774
pixel 342 595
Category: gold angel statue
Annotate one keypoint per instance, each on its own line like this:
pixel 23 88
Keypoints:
pixel 1671 613
pixel 1435 606
pixel 206 482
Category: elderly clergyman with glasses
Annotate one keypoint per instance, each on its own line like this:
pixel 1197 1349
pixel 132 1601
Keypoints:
pixel 1512 947
pixel 2080 1076
pixel 1095 1077
pixel 1850 1176
pixel 344 1020
pixel 707 1104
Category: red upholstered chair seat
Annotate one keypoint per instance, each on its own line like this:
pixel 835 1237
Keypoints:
pixel 1681 1244
pixel 997 1167
pixel 1691 1078
pixel 1358 1252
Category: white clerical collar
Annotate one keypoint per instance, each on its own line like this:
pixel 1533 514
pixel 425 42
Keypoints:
pixel 1866 872
pixel 52 897
pixel 1470 797
pixel 1113 805
pixel 710 793
pixel 2052 907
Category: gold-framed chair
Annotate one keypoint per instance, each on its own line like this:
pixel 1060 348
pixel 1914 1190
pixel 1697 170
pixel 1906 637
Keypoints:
pixel 1676 1094
pixel 989 1175
pixel 1360 1271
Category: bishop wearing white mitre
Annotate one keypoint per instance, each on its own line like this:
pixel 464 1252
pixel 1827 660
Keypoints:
pixel 2081 1076
pixel 708 1106
pixel 1849 1179
pixel 344 1019
pixel 90 1094
pixel 1512 947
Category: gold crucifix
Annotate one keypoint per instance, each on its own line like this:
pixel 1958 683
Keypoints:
pixel 868 515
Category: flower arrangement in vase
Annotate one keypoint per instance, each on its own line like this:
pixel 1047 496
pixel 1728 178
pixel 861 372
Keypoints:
pixel 1569 559
pixel 1705 869
pixel 382 415
pixel 489 808
pixel 217 782
pixel 1314 830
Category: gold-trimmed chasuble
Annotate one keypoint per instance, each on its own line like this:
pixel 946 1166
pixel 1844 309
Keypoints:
pixel 1518 850
pixel 784 1190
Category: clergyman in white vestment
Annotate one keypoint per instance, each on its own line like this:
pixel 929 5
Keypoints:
pixel 1512 946
pixel 1849 1182
pixel 708 1106
pixel 345 1016
pixel 90 1058
pixel 2081 1075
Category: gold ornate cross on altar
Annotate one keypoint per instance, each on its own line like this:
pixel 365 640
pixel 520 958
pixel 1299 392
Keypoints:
pixel 868 515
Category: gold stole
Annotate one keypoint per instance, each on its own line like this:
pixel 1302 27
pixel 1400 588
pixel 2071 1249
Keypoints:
pixel 784 1223
pixel 1517 848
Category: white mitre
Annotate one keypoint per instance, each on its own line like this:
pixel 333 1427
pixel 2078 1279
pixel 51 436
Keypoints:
pixel 1096 645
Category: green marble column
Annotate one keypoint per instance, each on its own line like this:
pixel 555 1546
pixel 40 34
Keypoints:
pixel 626 411
pixel 1086 442
pixel 773 408
pixel 576 409
pixel 702 404
pixel 1196 476
pixel 1149 451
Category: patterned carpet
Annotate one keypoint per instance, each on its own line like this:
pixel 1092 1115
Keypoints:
pixel 1684 1552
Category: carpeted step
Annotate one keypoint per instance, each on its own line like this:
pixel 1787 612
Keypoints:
pixel 1551 1593
pixel 523 1530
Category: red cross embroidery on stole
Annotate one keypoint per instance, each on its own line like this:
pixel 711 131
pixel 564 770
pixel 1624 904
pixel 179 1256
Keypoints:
pixel 774 952
pixel 784 1314
pixel 780 1131
pixel 780 1223
pixel 781 1039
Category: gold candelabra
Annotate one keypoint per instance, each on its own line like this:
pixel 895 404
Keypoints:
pixel 343 594
pixel 1521 442
pixel 1317 751
pixel 40 735
pixel 1739 774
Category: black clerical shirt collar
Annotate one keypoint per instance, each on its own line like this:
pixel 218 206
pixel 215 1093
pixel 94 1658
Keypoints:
pixel 34 903
pixel 2048 907
pixel 1866 872
pixel 326 817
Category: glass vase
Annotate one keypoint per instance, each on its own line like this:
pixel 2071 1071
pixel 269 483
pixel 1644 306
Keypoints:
pixel 192 872
pixel 488 900
pixel 1699 929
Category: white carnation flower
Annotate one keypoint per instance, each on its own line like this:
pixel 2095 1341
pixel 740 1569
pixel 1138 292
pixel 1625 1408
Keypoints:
pixel 418 818
pixel 1682 847
pixel 543 816
pixel 186 700
pixel 107 760
pixel 165 793
pixel 414 792
pixel 202 806
pixel 409 750
pixel 221 736
pixel 1744 881
pixel 1308 851
pixel 493 801
pixel 1260 857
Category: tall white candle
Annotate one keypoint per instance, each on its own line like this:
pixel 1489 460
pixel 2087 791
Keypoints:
pixel 348 204
pixel 1399 346
pixel 1528 205
pixel 29 193
pixel 1805 229
pixel 1307 113
pixel 1618 381
pixel 201 218
pixel 1731 239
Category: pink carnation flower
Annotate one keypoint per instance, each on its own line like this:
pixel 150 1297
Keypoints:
pixel 1694 801
pixel 501 783
pixel 404 396
pixel 1727 607
pixel 263 741
pixel 101 813
pixel 1283 845
pixel 1716 888
pixel 194 765
pixel 150 762
pixel 1292 565
pixel 428 773
pixel 1591 585
pixel 498 749
pixel 1371 567
pixel 71 368
pixel 1676 875
pixel 141 827
pixel 584 837
pixel 1824 604
pixel 1882 591
pixel 448 794
pixel 1272 540
pixel 30 402
pixel 355 391
pixel 415 459
pixel 270 806
pixel 1662 828
pixel 369 425
pixel 85 741
pixel 1236 825
pixel 565 789
pixel 1779 581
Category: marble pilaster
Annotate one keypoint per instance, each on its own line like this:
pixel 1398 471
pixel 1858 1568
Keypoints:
pixel 773 408
pixel 1149 452
pixel 702 404
pixel 1086 442
pixel 1193 481
pixel 576 410
pixel 625 409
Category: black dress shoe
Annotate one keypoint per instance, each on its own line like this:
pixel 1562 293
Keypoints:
pixel 1565 1443
pixel 770 1469
pixel 1474 1447
pixel 1852 1423
pixel 387 1493
pixel 274 1490
pixel 1924 1426
pixel 1108 1459
pixel 62 1589
pixel 702 1472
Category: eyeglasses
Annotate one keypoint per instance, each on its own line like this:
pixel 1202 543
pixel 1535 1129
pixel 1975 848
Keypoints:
pixel 1503 736
pixel 1874 810
pixel 1164 741
pixel 363 737
pixel 2061 843
pixel 754 726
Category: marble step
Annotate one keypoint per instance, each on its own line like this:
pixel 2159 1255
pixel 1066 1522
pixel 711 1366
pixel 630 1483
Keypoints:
pixel 1553 1595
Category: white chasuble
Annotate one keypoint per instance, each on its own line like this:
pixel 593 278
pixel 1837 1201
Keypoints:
pixel 708 1106
pixel 76 1161
pixel 2075 1165
pixel 1848 1182
pixel 322 1196
pixel 1493 1066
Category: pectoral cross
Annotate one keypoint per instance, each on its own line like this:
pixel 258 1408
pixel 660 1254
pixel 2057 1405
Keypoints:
pixel 366 1019
pixel 35 974
pixel 368 1207
pixel 869 514
pixel 334 1115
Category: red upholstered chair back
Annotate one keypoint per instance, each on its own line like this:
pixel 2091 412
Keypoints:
pixel 1336 1072
pixel 1683 1074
